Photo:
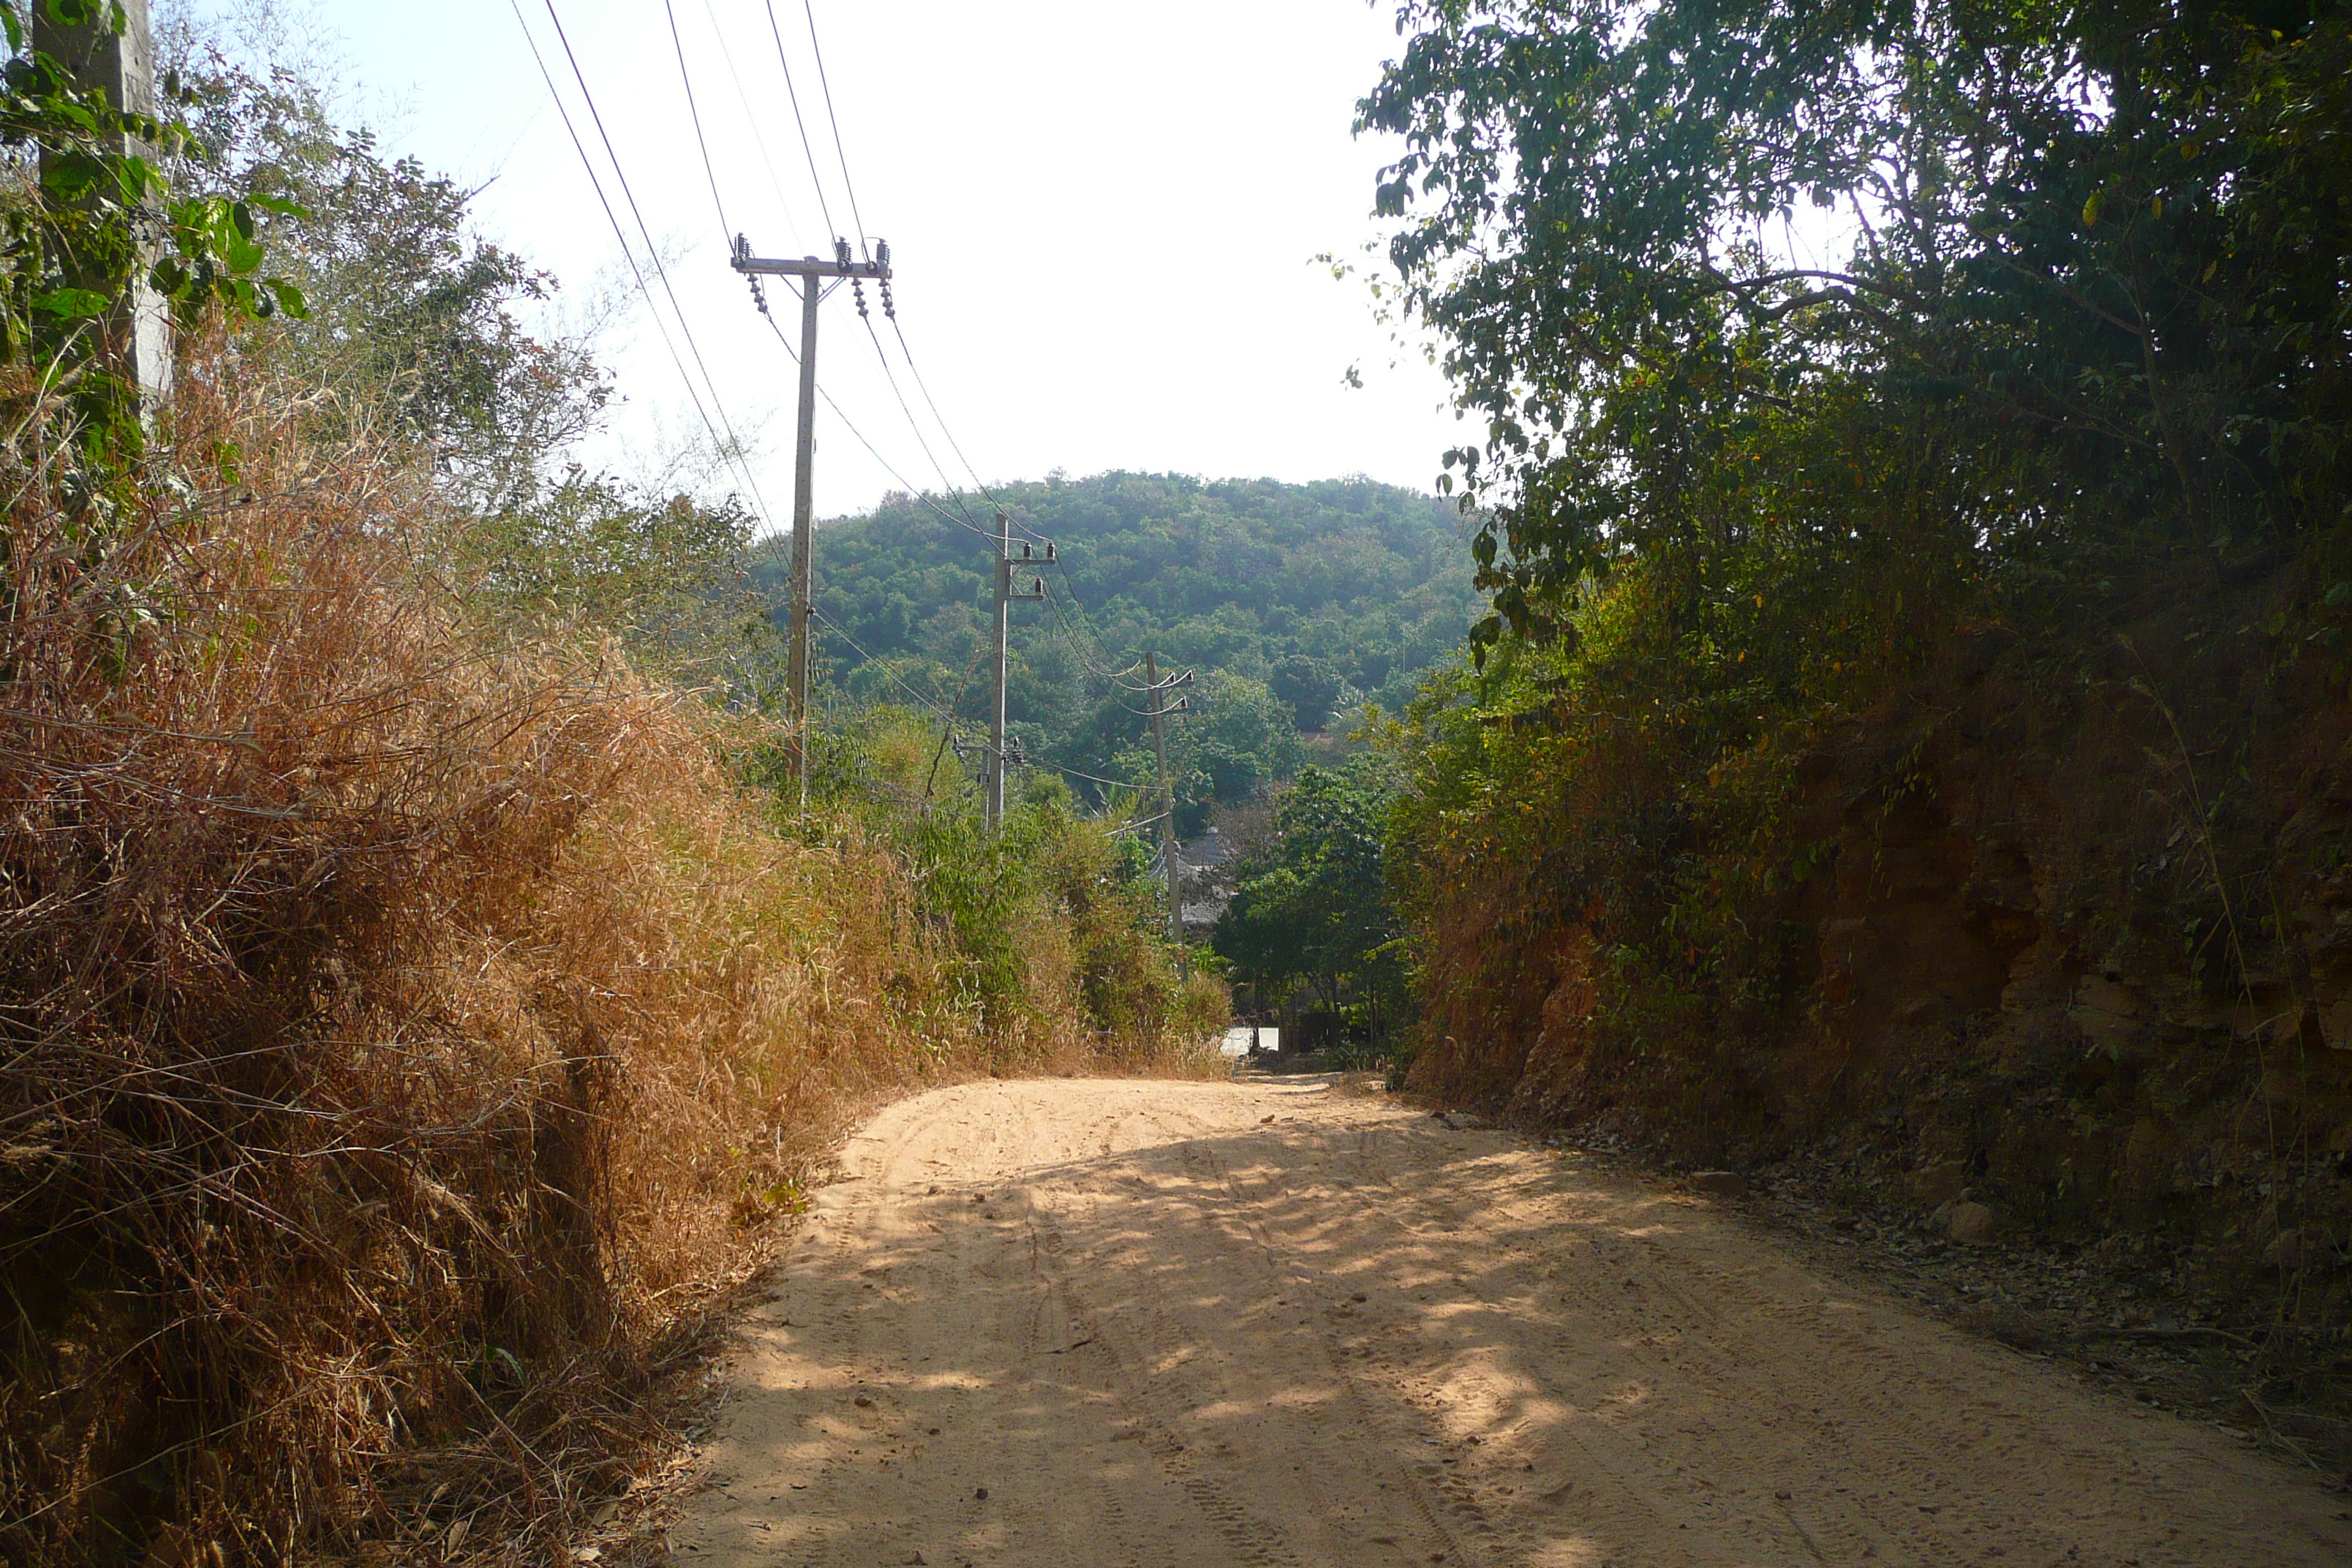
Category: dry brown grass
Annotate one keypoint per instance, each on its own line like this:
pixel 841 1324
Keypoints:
pixel 401 1029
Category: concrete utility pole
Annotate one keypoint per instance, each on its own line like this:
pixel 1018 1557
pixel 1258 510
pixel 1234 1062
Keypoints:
pixel 814 273
pixel 995 769
pixel 121 67
pixel 1175 868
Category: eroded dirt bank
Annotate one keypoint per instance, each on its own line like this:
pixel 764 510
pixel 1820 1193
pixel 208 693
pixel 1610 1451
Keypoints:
pixel 1094 1323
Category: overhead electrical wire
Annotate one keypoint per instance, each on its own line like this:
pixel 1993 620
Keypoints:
pixel 906 352
pixel 793 94
pixel 734 445
pixel 883 666
pixel 694 115
pixel 759 137
pixel 1115 783
pixel 729 445
pixel 912 424
pixel 857 220
pixel 686 79
pixel 948 715
pixel 913 491
pixel 1100 669
pixel 840 151
pixel 924 387
pixel 627 254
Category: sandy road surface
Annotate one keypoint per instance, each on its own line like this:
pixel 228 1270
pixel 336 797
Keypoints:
pixel 1177 1332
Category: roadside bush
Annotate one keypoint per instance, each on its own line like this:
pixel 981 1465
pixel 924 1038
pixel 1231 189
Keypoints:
pixel 1053 926
pixel 408 1020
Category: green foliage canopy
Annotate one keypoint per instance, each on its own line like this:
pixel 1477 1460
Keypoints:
pixel 2097 265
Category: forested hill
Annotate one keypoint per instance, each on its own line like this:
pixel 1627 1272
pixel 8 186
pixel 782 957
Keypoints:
pixel 1296 601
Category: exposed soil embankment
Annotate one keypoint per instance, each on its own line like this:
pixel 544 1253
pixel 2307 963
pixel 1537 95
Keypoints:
pixel 2072 958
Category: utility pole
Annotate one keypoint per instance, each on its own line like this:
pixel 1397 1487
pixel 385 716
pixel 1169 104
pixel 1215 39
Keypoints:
pixel 1005 597
pixel 1175 868
pixel 119 67
pixel 814 273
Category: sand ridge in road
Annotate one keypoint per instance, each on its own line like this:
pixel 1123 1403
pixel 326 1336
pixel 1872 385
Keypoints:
pixel 1095 1322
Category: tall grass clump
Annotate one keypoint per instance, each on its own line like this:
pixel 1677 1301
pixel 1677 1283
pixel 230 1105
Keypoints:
pixel 404 1016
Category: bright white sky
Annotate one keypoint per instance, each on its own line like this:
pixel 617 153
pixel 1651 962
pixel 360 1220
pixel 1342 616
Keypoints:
pixel 1102 216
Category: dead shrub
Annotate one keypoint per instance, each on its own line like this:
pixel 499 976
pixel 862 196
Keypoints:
pixel 400 1023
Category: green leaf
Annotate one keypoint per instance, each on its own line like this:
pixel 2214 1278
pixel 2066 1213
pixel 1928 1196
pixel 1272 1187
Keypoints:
pixel 73 304
pixel 137 178
pixel 74 112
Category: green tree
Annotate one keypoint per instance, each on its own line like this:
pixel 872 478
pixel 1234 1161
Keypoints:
pixel 417 320
pixel 1309 686
pixel 418 334
pixel 1315 909
pixel 2095 273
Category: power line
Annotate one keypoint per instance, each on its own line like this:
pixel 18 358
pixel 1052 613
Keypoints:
pixel 881 665
pixel 924 387
pixel 1115 783
pixel 653 254
pixel 840 151
pixel 793 93
pixel 1116 678
pixel 858 219
pixel 743 99
pixel 1077 606
pixel 588 165
pixel 694 113
pixel 1069 584
pixel 913 489
pixel 710 172
pixel 731 446
pixel 911 423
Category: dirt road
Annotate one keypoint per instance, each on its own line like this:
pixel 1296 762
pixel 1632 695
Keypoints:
pixel 1089 1323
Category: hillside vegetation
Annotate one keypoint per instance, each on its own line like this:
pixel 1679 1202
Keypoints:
pixel 1910 729
pixel 1300 603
